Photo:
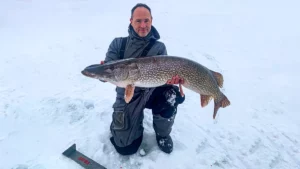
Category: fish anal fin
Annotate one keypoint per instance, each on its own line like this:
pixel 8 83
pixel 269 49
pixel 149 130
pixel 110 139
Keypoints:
pixel 205 99
pixel 219 78
pixel 129 91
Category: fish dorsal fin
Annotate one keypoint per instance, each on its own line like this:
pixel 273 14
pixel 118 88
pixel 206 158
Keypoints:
pixel 129 91
pixel 219 78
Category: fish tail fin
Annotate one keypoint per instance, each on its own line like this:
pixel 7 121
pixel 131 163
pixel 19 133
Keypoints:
pixel 219 78
pixel 224 102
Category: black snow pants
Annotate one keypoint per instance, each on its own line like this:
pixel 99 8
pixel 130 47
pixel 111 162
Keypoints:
pixel 127 119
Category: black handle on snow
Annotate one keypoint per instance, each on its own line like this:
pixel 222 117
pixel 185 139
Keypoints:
pixel 81 159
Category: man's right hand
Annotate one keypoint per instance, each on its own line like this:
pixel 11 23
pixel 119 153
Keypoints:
pixel 102 62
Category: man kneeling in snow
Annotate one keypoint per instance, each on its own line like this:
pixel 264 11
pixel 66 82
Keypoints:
pixel 126 126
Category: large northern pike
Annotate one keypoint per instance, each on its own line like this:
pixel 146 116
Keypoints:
pixel 155 71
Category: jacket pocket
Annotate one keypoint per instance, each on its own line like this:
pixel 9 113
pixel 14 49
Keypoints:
pixel 120 117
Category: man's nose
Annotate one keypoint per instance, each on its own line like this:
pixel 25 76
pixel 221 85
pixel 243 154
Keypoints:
pixel 143 24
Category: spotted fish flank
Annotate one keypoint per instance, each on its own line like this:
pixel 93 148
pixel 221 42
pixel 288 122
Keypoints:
pixel 155 71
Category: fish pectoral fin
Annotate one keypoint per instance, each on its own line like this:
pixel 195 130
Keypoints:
pixel 129 90
pixel 219 78
pixel 205 99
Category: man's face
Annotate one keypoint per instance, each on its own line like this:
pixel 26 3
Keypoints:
pixel 141 21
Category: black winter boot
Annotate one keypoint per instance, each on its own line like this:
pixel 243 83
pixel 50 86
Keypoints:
pixel 165 143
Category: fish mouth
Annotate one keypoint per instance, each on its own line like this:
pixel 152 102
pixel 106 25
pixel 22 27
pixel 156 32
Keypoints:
pixel 91 70
pixel 86 73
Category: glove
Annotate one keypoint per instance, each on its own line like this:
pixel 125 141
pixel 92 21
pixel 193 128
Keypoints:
pixel 179 97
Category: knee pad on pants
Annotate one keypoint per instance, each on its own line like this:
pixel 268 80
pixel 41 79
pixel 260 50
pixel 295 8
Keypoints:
pixel 130 149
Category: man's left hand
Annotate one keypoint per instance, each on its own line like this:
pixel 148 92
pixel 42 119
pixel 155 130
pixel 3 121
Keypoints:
pixel 177 80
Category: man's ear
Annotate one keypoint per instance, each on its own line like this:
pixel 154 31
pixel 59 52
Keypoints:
pixel 130 20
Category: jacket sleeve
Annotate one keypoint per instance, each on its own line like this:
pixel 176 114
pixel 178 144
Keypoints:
pixel 162 50
pixel 113 50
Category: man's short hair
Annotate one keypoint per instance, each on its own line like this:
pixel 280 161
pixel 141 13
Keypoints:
pixel 140 5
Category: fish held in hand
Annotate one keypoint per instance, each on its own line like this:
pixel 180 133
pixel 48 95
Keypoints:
pixel 156 71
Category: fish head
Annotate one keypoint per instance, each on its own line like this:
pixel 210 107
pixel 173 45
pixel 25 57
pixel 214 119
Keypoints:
pixel 114 73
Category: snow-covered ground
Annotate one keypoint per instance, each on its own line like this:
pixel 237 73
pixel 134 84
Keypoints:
pixel 46 104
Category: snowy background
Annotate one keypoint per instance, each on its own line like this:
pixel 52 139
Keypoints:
pixel 46 104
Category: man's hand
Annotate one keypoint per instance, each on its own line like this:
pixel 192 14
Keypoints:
pixel 177 80
pixel 101 63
